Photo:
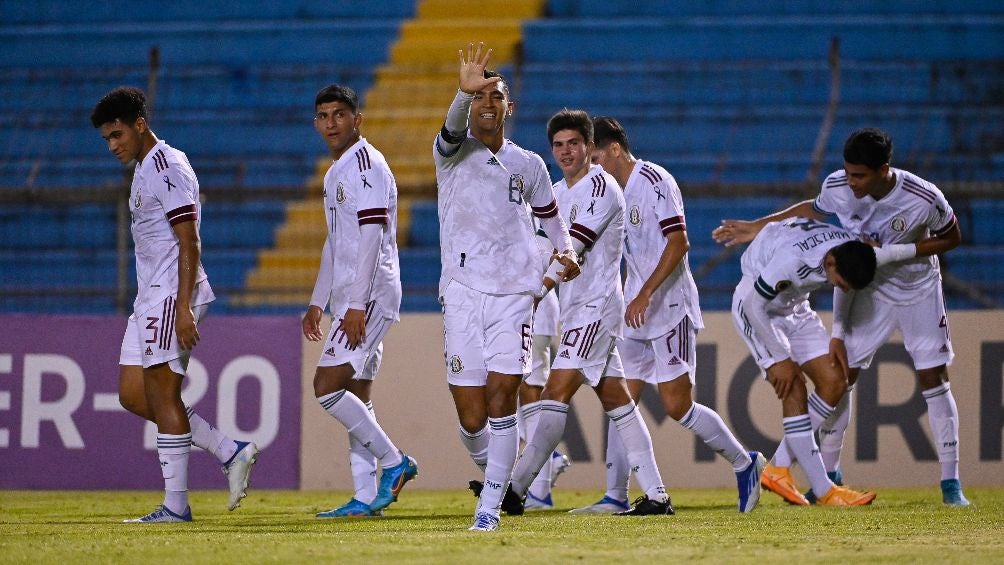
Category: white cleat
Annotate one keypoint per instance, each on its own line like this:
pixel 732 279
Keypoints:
pixel 238 472
pixel 559 464
pixel 606 505
pixel 485 522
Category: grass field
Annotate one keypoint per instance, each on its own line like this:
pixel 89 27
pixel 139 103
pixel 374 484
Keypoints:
pixel 431 527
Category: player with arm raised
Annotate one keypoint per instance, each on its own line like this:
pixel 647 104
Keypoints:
pixel 360 280
pixel 770 309
pixel 591 312
pixel 488 189
pixel 173 294
pixel 913 222
pixel 663 315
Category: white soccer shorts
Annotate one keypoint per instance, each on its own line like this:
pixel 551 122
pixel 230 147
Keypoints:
pixel 364 358
pixel 801 333
pixel 150 338
pixel 924 326
pixel 540 360
pixel 664 358
pixel 485 332
pixel 592 349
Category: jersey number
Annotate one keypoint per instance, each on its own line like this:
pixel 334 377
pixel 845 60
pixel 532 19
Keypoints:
pixel 808 224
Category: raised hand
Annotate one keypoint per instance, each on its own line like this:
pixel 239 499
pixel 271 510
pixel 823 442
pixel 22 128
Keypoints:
pixel 472 68
pixel 734 232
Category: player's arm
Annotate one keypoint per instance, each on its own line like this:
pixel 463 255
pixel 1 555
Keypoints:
pixel 784 371
pixel 319 297
pixel 472 80
pixel 677 245
pixel 734 232
pixel 189 255
pixel 841 309
pixel 941 241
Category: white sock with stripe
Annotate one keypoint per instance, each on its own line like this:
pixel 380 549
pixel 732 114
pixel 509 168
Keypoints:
pixel 640 454
pixel 363 466
pixel 503 446
pixel 618 469
pixel 541 486
pixel 209 438
pixel 550 427
pixel 833 429
pixel 798 436
pixel 710 427
pixel 352 413
pixel 476 444
pixel 173 450
pixel 943 415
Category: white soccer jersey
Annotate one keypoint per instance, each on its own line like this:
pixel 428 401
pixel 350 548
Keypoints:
pixel 164 192
pixel 786 260
pixel 485 228
pixel 654 208
pixel 594 210
pixel 359 189
pixel 913 209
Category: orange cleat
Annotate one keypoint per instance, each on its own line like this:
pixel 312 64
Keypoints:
pixel 778 480
pixel 842 496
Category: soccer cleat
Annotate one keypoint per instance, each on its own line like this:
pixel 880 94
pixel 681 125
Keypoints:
pixel 559 464
pixel 238 471
pixel 485 522
pixel 534 503
pixel 843 496
pixel 512 504
pixel 392 480
pixel 951 493
pixel 606 505
pixel 748 481
pixel 161 515
pixel 778 481
pixel 645 506
pixel 836 477
pixel 351 509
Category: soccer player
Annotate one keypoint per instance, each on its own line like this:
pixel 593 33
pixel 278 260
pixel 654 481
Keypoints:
pixel 663 316
pixel 173 294
pixel 544 330
pixel 913 222
pixel 488 189
pixel 770 309
pixel 591 310
pixel 360 280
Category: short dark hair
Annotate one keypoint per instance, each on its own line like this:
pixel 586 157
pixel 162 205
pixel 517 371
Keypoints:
pixel 855 262
pixel 503 82
pixel 125 103
pixel 871 147
pixel 337 93
pixel 607 130
pixel 577 120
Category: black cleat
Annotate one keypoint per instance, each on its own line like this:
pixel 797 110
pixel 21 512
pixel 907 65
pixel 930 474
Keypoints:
pixel 511 503
pixel 645 506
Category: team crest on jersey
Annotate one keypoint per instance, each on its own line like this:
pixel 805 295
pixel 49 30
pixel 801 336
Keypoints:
pixel 782 285
pixel 898 224
pixel 516 183
pixel 635 215
pixel 573 213
pixel 138 201
pixel 456 365
pixel 340 193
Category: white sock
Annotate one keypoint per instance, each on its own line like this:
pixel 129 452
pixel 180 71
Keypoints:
pixel 782 455
pixel 618 469
pixel 477 445
pixel 638 445
pixel 710 427
pixel 352 413
pixel 943 415
pixel 832 430
pixel 207 437
pixel 503 446
pixel 173 452
pixel 550 428
pixel 798 436
pixel 363 465
pixel 541 486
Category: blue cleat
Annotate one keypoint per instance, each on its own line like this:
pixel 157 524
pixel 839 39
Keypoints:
pixel 748 481
pixel 951 493
pixel 351 509
pixel 534 503
pixel 606 505
pixel 392 480
pixel 161 515
pixel 836 477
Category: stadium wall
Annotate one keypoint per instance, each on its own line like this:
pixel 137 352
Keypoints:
pixel 61 426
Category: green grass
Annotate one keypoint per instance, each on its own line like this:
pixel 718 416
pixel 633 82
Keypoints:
pixel 431 527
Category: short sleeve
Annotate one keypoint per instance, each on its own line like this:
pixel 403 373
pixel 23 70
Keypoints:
pixel 667 206
pixel 774 278
pixel 941 218
pixel 592 218
pixel 176 191
pixel 373 196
